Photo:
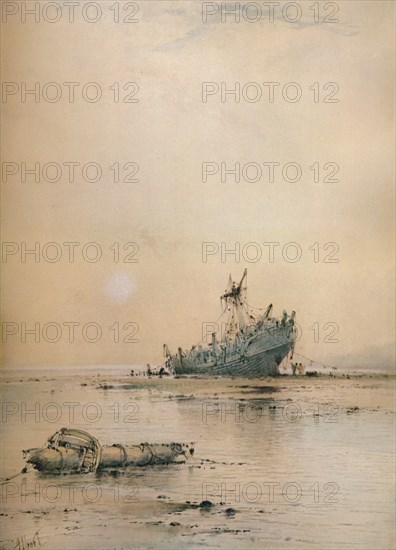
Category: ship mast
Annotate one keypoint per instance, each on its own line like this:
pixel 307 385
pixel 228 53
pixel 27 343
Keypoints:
pixel 235 297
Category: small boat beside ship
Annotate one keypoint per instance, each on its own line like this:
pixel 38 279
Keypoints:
pixel 77 451
pixel 251 344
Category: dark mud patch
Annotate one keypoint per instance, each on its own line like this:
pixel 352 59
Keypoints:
pixel 119 387
pixel 259 389
pixel 256 402
pixel 219 530
pixel 182 397
pixel 174 507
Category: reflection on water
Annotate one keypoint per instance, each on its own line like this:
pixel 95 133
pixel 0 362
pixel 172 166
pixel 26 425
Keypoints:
pixel 307 473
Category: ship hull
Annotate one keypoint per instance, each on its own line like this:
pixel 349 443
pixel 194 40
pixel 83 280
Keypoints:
pixel 262 363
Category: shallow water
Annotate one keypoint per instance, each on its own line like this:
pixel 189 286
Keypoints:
pixel 310 473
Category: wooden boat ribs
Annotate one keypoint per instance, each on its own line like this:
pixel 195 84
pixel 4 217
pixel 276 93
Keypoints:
pixel 76 451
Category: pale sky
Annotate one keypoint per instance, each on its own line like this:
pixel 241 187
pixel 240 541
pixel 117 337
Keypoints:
pixel 170 212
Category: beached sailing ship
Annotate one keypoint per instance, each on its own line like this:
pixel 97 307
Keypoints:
pixel 250 344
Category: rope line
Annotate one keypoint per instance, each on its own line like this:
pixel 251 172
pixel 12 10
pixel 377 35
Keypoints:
pixel 313 361
pixel 24 470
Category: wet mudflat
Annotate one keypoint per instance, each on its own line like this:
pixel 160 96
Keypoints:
pixel 291 462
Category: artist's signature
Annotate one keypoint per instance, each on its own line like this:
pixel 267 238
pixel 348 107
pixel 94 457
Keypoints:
pixel 26 543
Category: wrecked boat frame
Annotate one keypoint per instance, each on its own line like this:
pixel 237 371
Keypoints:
pixel 77 451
